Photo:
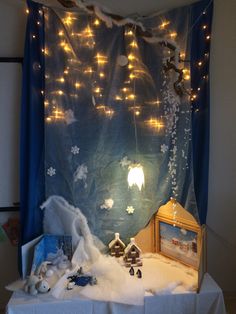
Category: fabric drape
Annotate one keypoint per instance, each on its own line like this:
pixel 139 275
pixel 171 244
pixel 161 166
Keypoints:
pixel 88 117
pixel 32 127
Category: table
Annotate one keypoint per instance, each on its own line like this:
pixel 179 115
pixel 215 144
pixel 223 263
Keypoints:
pixel 208 301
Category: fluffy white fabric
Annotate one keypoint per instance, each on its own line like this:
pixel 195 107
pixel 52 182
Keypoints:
pixel 160 275
pixel 114 283
pixel 61 218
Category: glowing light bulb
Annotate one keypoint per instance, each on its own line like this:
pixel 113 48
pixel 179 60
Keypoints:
pixel 100 107
pixel 186 75
pixel 208 37
pixel 204 27
pixel 132 76
pixel 97 90
pixel 131 96
pixel 194 96
pixel 67 48
pixel 164 24
pixel 96 22
pixel 68 20
pixel 136 176
pixel 155 124
pixel 27 11
pixel 109 112
pixel 87 32
pixel 61 80
pixel 134 44
pixel 101 59
pixel 118 97
pixel 173 35
pixel 61 33
pixel 131 57
pixel 77 85
pixel 200 63
pixel 89 70
pixel 182 55
pixel 102 75
pixel 129 33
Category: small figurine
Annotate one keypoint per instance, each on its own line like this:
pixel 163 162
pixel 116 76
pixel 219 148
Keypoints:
pixel 139 273
pixel 131 271
pixel 80 279
pixel 132 254
pixel 116 246
pixel 35 284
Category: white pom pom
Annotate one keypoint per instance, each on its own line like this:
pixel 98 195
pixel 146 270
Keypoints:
pixel 122 60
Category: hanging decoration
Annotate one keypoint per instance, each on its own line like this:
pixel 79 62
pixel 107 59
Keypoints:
pixel 136 176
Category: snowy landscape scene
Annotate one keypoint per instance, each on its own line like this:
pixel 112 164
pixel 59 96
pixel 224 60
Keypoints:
pixel 179 243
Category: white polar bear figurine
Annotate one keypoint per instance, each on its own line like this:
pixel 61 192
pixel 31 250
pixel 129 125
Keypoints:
pixel 35 284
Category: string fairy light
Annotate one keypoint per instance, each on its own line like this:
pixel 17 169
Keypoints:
pixel 134 71
pixel 96 22
pixel 163 25
pixel 135 171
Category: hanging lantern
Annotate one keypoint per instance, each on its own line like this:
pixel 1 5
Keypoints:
pixel 136 175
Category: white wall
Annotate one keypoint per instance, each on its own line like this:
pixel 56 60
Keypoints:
pixel 12 26
pixel 222 183
pixel 222 180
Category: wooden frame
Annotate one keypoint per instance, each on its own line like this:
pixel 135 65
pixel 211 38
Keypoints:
pixel 178 235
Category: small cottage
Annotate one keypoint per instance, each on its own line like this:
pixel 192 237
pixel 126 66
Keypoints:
pixel 132 254
pixel 116 246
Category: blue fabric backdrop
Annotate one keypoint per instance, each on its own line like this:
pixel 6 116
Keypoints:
pixel 201 17
pixel 91 130
pixel 32 183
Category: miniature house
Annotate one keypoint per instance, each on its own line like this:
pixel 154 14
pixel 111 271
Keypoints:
pixel 132 254
pixel 116 246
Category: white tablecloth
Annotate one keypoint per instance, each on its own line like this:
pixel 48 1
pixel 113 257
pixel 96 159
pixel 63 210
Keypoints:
pixel 208 301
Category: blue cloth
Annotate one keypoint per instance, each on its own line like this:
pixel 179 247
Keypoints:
pixel 200 47
pixel 92 133
pixel 32 127
pixel 94 129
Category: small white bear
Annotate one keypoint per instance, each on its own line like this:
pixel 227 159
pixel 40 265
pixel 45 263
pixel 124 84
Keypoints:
pixel 30 285
pixel 35 284
pixel 43 286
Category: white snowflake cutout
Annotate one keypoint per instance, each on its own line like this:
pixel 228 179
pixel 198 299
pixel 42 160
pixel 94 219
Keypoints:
pixel 125 162
pixel 108 204
pixel 69 116
pixel 130 210
pixel 75 150
pixel 164 148
pixel 81 173
pixel 51 171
